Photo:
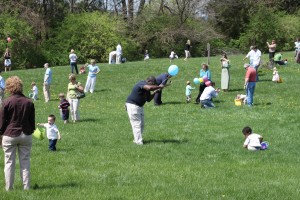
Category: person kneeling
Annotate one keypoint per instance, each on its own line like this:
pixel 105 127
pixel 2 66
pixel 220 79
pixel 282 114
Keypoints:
pixel 207 95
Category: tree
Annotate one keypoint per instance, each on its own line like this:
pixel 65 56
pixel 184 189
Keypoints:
pixel 92 35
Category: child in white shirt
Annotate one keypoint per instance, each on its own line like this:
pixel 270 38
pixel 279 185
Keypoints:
pixel 173 55
pixel 34 91
pixel 52 132
pixel 252 140
pixel 188 91
pixel 146 55
pixel 276 77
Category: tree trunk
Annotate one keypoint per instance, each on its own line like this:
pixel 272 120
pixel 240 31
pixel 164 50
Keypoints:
pixel 130 10
pixel 141 6
pixel 124 9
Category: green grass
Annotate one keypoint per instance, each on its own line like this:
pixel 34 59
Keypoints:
pixel 189 153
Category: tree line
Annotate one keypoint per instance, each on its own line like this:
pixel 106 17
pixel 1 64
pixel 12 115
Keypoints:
pixel 46 30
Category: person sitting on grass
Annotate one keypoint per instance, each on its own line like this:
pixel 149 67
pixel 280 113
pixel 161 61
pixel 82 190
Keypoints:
pixel 278 59
pixel 252 140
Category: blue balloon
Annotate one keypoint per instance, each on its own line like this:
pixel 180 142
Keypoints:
pixel 173 70
pixel 196 80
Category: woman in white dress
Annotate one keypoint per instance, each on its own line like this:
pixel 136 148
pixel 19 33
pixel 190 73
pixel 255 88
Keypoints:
pixel 225 75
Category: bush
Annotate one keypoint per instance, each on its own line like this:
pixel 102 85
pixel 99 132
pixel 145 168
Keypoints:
pixel 24 51
pixel 91 35
pixel 266 25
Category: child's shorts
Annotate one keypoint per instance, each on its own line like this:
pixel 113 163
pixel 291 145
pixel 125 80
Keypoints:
pixel 64 114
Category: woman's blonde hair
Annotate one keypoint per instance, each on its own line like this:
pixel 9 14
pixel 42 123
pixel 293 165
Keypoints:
pixel 14 85
pixel 93 61
pixel 72 77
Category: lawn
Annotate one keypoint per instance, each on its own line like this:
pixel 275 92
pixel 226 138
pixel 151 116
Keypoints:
pixel 189 152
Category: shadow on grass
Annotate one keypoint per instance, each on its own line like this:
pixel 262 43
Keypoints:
pixel 217 101
pixel 103 90
pixel 174 102
pixel 265 80
pixel 88 120
pixel 51 186
pixel 174 141
pixel 263 104
pixel 236 90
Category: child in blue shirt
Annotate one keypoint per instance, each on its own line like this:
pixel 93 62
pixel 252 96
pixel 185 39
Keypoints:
pixel 188 91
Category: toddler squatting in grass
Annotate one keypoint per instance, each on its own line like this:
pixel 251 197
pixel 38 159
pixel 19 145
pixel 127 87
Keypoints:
pixel 253 141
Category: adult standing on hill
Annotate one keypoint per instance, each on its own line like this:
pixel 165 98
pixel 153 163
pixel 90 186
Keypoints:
pixel 162 79
pixel 272 48
pixel 254 56
pixel 119 54
pixel 17 123
pixel 7 60
pixel 140 94
pixel 73 61
pixel 297 50
pixel 92 75
pixel 187 50
pixel 73 88
pixel 225 75
pixel 47 82
pixel 250 82
pixel 297 46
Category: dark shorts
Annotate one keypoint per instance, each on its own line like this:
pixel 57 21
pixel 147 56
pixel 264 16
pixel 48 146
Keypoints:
pixel 65 115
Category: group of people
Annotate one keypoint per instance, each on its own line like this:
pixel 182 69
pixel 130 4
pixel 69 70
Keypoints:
pixel 17 116
pixel 173 55
pixel 17 113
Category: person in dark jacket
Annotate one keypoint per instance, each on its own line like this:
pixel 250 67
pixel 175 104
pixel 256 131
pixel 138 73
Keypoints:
pixel 140 94
pixel 161 79
pixel 17 123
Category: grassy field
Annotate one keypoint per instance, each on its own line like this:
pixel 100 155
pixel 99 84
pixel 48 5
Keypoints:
pixel 189 153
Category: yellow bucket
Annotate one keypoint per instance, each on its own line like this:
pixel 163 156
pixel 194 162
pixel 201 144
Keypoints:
pixel 237 102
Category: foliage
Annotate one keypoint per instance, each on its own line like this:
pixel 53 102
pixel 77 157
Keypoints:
pixel 22 36
pixel 91 35
pixel 189 152
pixel 161 33
pixel 266 25
pixel 229 17
pixel 49 29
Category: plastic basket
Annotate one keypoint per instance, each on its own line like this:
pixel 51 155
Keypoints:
pixel 238 102
pixel 39 133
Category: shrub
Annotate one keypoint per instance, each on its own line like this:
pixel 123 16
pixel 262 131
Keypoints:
pixel 91 35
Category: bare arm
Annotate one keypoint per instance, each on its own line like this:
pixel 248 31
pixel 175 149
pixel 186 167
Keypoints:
pixel 79 88
pixel 58 134
pixel 246 82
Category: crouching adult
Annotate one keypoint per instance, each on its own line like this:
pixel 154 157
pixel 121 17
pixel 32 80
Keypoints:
pixel 207 95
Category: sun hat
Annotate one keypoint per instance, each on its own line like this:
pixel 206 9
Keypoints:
pixel 208 83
